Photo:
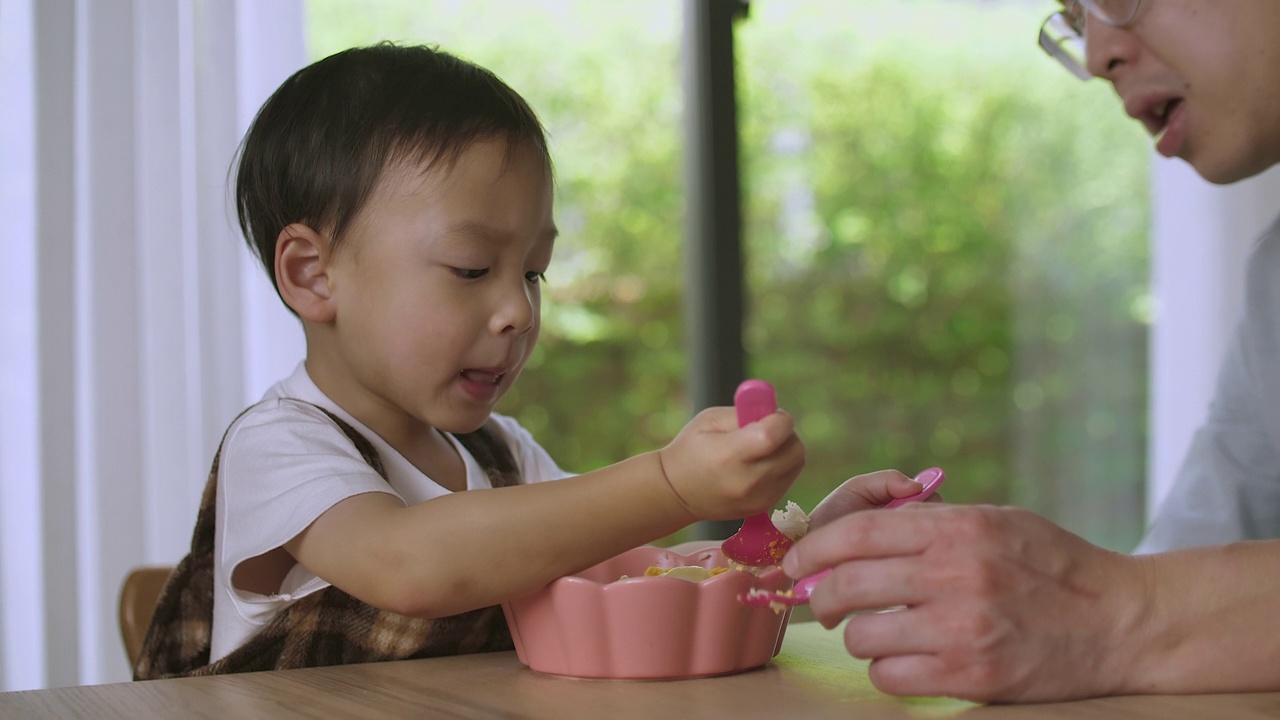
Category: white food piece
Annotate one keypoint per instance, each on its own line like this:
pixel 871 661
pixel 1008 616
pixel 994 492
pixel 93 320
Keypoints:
pixel 792 522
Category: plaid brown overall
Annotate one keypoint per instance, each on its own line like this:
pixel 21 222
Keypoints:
pixel 327 627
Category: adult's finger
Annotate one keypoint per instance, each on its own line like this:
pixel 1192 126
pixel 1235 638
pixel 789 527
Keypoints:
pixel 864 585
pixel 894 631
pixel 908 675
pixel 865 535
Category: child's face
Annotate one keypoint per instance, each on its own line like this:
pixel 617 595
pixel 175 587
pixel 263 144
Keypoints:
pixel 1214 65
pixel 437 291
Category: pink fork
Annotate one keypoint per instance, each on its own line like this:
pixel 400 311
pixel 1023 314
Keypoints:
pixel 758 542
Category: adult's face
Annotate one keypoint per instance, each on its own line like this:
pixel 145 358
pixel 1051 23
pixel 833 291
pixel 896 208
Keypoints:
pixel 1203 77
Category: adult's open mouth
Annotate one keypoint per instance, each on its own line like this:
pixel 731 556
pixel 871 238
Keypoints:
pixel 1172 132
pixel 1161 113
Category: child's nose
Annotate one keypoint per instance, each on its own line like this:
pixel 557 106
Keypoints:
pixel 517 310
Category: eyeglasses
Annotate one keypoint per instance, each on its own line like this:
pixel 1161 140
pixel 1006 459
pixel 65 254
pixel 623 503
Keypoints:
pixel 1062 34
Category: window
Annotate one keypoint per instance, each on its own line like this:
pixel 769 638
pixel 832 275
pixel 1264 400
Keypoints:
pixel 949 255
pixel 946 240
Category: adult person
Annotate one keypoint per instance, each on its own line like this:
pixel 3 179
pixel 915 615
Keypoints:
pixel 999 604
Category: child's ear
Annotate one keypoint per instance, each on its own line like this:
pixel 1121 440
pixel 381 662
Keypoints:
pixel 302 262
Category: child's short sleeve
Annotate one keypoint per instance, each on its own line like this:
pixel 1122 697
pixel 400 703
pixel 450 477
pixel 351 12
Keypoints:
pixel 283 464
pixel 535 463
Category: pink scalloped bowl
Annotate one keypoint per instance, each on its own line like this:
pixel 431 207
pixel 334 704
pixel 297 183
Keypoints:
pixel 595 625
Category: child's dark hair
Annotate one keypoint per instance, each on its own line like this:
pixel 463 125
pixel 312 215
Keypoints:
pixel 320 143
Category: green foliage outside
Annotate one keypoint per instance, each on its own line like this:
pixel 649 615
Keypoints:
pixel 945 239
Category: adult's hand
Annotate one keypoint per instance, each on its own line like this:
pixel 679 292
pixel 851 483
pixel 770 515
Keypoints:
pixel 997 604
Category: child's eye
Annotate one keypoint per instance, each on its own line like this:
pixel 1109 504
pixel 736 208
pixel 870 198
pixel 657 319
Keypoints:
pixel 535 277
pixel 466 274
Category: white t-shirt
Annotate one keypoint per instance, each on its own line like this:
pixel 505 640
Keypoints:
pixel 284 463
pixel 1228 488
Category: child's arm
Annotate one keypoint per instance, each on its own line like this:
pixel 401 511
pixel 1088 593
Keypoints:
pixel 472 549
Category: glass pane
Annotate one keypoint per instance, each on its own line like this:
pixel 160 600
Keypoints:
pixel 948 250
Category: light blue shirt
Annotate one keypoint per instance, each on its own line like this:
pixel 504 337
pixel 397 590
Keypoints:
pixel 1228 488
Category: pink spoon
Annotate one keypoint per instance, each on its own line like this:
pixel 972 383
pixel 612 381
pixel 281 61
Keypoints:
pixel 758 542
pixel 799 594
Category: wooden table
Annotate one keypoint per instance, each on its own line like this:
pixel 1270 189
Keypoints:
pixel 811 678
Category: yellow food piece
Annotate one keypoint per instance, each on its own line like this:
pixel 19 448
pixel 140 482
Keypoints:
pixel 692 573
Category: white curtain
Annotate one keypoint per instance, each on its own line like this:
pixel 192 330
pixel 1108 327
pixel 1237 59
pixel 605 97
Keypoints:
pixel 135 325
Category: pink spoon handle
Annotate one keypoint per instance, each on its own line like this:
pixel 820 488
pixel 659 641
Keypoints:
pixel 758 542
pixel 777 599
pixel 805 585
pixel 753 400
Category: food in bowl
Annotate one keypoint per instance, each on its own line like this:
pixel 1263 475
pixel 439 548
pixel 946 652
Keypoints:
pixel 692 573
pixel 592 624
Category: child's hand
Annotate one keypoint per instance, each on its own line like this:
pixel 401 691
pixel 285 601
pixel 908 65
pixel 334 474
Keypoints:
pixel 864 492
pixel 721 472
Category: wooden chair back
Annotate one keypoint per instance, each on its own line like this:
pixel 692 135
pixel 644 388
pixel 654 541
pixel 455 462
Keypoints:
pixel 138 596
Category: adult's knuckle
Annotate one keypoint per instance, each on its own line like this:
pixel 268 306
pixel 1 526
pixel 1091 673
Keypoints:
pixel 981 673
pixel 980 523
pixel 984 579
pixel 979 629
pixel 846 582
pixel 852 532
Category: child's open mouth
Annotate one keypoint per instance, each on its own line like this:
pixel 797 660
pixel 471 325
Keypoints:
pixel 482 377
pixel 482 385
